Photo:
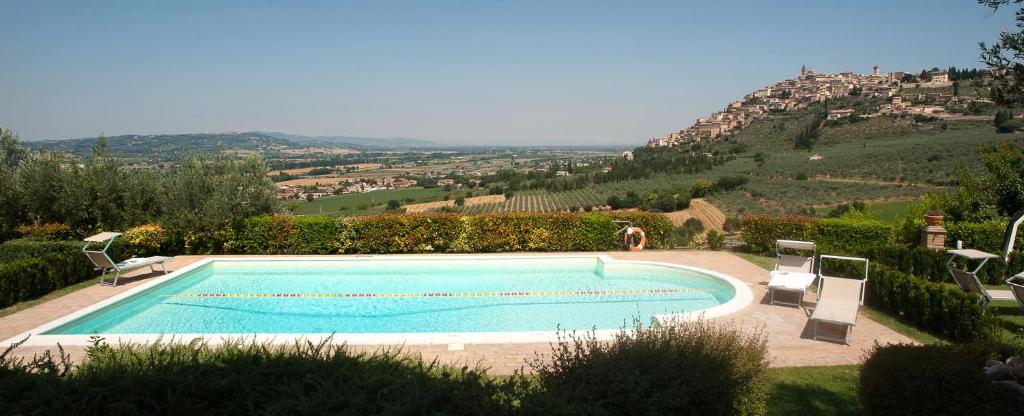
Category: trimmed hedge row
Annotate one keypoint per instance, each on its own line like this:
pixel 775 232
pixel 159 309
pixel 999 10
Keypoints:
pixel 31 269
pixel 440 233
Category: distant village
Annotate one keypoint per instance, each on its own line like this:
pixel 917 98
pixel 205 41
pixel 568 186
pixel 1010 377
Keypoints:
pixel 345 187
pixel 812 87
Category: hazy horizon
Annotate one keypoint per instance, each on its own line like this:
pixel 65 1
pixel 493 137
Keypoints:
pixel 517 74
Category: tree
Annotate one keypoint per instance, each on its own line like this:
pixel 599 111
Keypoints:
pixel 1005 58
pixel 309 197
pixel 956 88
pixel 393 204
pixel 460 201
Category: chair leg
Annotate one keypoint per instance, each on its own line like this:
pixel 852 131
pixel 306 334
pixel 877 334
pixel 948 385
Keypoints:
pixel 117 274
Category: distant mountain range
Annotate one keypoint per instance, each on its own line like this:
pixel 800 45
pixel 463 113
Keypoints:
pixel 395 142
pixel 171 146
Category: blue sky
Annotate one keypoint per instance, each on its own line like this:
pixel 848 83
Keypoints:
pixel 509 73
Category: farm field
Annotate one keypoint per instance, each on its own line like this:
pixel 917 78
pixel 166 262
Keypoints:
pixel 365 202
pixel 471 201
pixel 888 212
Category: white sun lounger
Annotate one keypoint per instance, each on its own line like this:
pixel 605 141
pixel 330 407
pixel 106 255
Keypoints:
pixel 968 280
pixel 1016 283
pixel 105 264
pixel 793 273
pixel 839 300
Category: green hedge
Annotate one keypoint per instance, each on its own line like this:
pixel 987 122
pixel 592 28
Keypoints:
pixel 441 233
pixel 31 269
pixel 761 231
pixel 840 235
pixel 985 236
pixel 936 307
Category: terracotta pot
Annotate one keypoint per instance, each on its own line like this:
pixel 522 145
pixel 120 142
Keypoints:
pixel 933 220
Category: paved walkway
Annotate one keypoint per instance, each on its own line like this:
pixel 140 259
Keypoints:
pixel 787 328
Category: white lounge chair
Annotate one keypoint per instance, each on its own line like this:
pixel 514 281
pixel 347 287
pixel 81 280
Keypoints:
pixel 839 299
pixel 1016 283
pixel 105 264
pixel 793 273
pixel 968 280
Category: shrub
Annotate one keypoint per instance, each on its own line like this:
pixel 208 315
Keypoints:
pixel 936 307
pixel 849 235
pixel 683 235
pixel 31 269
pixel 761 231
pixel 985 236
pixel 684 368
pixel 238 378
pixel 656 226
pixel 144 239
pixel 715 240
pixel 317 235
pixel 409 233
pixel 925 380
pixel 701 188
pixel 54 231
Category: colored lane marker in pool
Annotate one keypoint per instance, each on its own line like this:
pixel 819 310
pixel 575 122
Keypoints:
pixel 438 294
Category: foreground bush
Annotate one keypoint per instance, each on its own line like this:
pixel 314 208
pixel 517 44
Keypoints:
pixel 680 368
pixel 926 380
pixel 693 368
pixel 241 378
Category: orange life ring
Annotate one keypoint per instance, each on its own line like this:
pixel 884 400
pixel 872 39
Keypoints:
pixel 626 239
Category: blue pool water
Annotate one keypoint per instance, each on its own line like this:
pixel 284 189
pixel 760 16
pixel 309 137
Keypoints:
pixel 402 295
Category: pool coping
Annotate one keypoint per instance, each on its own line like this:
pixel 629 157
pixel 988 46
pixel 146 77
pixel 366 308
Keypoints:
pixel 455 340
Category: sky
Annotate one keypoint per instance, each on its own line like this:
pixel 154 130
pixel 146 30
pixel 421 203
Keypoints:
pixel 480 73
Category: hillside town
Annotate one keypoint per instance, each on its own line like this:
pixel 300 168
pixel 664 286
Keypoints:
pixel 815 87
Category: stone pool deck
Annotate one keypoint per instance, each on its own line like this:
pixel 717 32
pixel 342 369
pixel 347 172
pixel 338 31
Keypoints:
pixel 788 329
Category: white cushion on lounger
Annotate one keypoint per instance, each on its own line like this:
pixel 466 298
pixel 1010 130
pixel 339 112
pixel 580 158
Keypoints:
pixel 790 280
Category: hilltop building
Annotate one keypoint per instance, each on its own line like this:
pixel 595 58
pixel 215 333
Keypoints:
pixel 786 95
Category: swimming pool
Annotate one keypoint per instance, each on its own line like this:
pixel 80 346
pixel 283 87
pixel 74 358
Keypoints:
pixel 410 299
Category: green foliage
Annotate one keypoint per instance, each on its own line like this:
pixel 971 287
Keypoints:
pixel 761 231
pixel 728 183
pixel 145 239
pixel 409 233
pixel 678 368
pixel 849 235
pixel 439 232
pixel 29 269
pixel 900 379
pixel 53 231
pixel 701 188
pixel 683 234
pixel 937 307
pixel 656 226
pixel 716 241
pixel 243 378
pixel 1004 180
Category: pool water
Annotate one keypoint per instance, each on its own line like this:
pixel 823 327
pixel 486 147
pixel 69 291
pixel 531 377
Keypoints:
pixel 406 296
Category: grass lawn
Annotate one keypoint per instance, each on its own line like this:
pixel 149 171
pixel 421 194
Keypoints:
pixel 47 297
pixel 814 391
pixel 764 262
pixel 1009 320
